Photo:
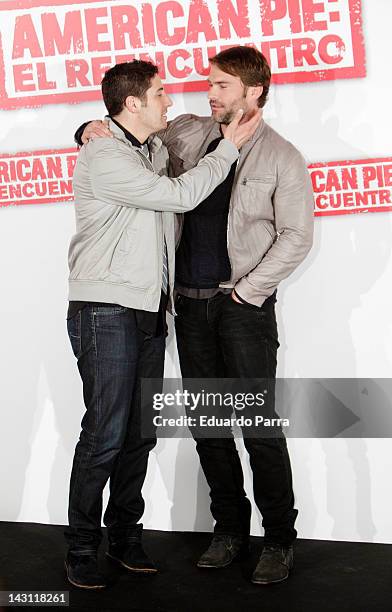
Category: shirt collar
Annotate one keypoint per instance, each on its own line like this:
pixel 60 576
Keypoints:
pixel 128 135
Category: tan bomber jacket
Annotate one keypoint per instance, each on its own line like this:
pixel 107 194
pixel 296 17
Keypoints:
pixel 270 223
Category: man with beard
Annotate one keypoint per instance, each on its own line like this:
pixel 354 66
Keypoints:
pixel 247 236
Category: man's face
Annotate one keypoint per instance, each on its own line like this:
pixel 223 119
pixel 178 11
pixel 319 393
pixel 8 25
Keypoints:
pixel 227 94
pixel 153 113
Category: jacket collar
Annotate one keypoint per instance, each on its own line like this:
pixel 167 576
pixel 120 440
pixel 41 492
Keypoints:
pixel 128 135
pixel 123 134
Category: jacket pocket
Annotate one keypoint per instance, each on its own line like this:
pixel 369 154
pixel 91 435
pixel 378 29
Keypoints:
pixel 134 261
pixel 124 248
pixel 255 195
pixel 262 182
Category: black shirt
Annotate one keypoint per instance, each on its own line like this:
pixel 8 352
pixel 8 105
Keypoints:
pixel 202 260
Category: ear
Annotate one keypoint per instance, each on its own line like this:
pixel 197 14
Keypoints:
pixel 133 104
pixel 255 92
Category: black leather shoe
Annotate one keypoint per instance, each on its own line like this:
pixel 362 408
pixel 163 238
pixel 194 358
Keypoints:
pixel 222 550
pixel 131 555
pixel 82 571
pixel 274 565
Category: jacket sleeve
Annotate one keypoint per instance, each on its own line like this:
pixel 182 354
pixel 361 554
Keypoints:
pixel 119 177
pixel 293 207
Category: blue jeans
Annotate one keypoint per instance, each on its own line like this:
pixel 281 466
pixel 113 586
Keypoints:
pixel 218 337
pixel 113 355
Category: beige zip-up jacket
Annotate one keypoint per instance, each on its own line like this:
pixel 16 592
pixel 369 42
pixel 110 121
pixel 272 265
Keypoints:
pixel 124 207
pixel 270 223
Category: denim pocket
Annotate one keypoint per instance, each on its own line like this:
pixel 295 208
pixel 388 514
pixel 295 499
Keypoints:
pixel 74 333
pixel 111 317
pixel 111 310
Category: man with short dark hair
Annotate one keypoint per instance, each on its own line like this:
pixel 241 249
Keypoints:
pixel 121 262
pixel 236 247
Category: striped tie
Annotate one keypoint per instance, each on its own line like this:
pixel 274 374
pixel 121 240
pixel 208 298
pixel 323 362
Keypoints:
pixel 165 272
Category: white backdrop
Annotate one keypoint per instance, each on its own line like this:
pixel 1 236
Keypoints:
pixel 334 318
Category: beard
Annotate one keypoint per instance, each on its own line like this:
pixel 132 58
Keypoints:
pixel 229 114
pixel 226 118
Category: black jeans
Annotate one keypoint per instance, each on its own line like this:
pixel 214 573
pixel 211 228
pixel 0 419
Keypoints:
pixel 218 337
pixel 113 355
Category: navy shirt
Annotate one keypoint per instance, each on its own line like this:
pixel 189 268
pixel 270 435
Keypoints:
pixel 202 260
